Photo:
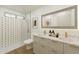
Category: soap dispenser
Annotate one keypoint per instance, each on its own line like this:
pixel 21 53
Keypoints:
pixel 66 34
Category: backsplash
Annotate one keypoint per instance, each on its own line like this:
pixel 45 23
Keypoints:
pixel 70 32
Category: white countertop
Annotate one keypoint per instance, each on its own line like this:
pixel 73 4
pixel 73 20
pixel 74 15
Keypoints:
pixel 68 40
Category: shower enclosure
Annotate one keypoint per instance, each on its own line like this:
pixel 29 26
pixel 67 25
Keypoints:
pixel 12 33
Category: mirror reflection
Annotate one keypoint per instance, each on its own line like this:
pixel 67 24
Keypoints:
pixel 65 18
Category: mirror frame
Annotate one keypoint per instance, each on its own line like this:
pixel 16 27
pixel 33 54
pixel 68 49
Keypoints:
pixel 62 27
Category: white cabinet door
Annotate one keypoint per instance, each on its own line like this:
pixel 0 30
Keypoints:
pixel 71 49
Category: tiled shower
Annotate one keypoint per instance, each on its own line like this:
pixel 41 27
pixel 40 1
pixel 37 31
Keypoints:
pixel 11 33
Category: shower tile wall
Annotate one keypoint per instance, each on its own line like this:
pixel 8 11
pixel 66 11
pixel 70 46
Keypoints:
pixel 10 32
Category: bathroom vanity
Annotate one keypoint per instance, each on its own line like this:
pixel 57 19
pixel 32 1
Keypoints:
pixel 60 19
pixel 44 44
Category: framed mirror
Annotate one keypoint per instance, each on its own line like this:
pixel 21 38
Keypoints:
pixel 65 18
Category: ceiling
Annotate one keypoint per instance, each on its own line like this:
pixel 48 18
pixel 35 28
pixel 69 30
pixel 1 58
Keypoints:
pixel 22 8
